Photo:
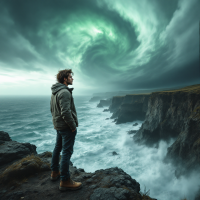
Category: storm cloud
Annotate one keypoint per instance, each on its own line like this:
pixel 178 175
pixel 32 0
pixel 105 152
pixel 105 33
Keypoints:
pixel 109 44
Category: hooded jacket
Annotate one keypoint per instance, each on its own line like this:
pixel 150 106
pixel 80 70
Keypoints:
pixel 62 107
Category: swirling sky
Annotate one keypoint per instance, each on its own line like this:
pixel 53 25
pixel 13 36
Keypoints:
pixel 110 45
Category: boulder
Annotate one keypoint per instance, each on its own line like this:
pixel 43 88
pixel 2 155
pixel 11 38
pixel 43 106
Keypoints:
pixel 12 150
pixel 4 136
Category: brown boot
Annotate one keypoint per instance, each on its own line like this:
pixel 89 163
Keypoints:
pixel 69 184
pixel 55 175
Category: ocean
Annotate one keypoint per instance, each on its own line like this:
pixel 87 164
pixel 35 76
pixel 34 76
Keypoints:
pixel 28 119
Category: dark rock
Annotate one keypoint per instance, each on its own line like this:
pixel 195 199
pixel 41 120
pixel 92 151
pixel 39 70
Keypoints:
pixel 105 110
pixel 12 150
pixel 90 180
pixel 112 176
pixel 114 120
pixel 107 118
pixel 46 154
pixel 15 195
pixel 174 114
pixel 4 136
pixel 112 193
pixel 197 196
pixel 131 131
pixel 12 188
pixel 95 98
pixel 135 124
pixel 116 102
pixel 93 186
pixel 129 108
pixel 100 105
pixel 114 153
pixel 103 103
pixel 45 167
pixel 81 170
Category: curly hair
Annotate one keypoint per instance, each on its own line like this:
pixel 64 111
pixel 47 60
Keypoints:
pixel 63 74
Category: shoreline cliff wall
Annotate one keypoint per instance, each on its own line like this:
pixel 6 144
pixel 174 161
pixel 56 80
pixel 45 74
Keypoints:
pixel 129 108
pixel 166 114
pixel 174 114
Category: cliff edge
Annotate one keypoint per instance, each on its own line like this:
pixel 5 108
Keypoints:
pixel 28 177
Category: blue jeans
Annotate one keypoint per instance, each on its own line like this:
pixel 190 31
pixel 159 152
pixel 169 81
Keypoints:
pixel 65 142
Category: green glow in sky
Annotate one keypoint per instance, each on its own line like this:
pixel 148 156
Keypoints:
pixel 114 44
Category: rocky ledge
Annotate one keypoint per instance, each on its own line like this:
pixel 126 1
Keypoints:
pixel 12 150
pixel 29 178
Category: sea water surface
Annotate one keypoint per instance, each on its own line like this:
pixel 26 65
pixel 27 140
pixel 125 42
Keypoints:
pixel 28 119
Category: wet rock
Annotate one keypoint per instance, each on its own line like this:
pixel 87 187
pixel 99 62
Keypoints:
pixel 114 120
pixel 103 103
pixel 4 136
pixel 99 105
pixel 107 118
pixel 105 110
pixel 112 193
pixel 135 124
pixel 114 153
pixel 131 131
pixel 95 98
pixel 81 170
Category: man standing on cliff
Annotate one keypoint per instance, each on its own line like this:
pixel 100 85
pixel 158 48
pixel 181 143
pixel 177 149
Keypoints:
pixel 65 122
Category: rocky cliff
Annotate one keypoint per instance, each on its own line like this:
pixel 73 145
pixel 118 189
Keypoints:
pixel 129 107
pixel 166 114
pixel 174 114
pixel 28 177
pixel 105 102
pixel 12 150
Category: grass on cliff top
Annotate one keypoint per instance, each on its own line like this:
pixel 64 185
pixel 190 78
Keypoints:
pixel 191 88
pixel 22 169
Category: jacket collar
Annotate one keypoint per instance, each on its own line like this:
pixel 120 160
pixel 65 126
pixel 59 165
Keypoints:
pixel 70 89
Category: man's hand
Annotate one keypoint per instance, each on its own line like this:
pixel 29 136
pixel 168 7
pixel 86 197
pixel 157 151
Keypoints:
pixel 73 130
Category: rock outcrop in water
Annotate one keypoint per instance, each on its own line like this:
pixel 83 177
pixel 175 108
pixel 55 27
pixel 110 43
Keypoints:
pixel 105 102
pixel 129 108
pixel 95 98
pixel 29 178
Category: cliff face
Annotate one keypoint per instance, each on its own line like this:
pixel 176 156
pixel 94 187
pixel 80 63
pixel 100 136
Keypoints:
pixel 129 108
pixel 103 103
pixel 167 114
pixel 174 114
pixel 116 102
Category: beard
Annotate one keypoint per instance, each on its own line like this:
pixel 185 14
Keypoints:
pixel 69 83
